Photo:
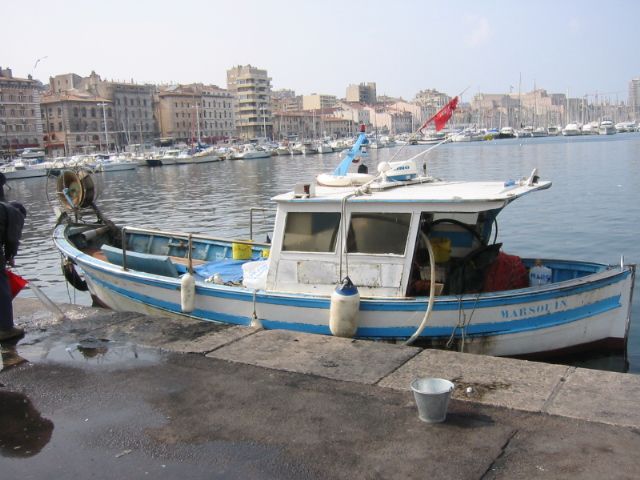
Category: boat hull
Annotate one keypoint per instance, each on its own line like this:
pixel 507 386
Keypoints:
pixel 565 315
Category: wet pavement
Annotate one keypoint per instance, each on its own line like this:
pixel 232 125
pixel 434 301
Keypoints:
pixel 109 395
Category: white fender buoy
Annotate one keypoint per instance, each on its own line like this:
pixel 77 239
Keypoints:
pixel 343 311
pixel 188 293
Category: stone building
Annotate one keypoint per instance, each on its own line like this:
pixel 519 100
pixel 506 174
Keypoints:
pixel 130 104
pixel 20 119
pixel 132 108
pixel 251 88
pixel 194 112
pixel 77 122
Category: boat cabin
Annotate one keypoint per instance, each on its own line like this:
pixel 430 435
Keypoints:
pixel 386 227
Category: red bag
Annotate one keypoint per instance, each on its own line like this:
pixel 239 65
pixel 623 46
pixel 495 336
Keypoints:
pixel 16 283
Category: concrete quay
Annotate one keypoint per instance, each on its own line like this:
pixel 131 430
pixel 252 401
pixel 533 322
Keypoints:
pixel 107 395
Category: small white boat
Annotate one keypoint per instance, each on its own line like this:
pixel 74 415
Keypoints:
pixel 607 128
pixel 507 132
pixel 571 130
pixel 114 163
pixel 23 168
pixel 324 147
pixel 400 256
pixel 553 130
pixel 590 128
pixel 250 151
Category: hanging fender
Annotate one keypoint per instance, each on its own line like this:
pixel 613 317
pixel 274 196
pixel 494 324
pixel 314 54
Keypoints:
pixel 72 276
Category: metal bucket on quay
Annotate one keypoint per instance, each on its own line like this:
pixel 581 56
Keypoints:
pixel 432 398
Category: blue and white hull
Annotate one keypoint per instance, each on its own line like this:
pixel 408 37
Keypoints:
pixel 590 309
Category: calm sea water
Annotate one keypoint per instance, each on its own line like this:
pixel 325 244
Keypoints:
pixel 592 211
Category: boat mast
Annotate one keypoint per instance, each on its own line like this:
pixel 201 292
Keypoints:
pixel 104 117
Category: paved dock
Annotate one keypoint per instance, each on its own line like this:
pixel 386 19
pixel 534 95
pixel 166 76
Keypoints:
pixel 105 395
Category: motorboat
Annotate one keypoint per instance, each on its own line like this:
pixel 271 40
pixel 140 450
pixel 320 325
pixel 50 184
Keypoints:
pixel 607 128
pixel 571 130
pixel 507 132
pixel 250 151
pixel 398 255
pixel 553 130
pixel 590 128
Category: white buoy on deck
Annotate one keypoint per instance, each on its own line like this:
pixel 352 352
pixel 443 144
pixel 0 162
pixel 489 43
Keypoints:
pixel 188 293
pixel 343 312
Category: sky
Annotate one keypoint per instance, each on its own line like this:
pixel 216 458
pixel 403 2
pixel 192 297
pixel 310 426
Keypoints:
pixel 580 47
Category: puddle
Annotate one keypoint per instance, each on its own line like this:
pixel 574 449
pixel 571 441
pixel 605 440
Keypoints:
pixel 24 431
pixel 89 351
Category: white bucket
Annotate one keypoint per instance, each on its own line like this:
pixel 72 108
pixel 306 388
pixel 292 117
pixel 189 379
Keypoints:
pixel 432 397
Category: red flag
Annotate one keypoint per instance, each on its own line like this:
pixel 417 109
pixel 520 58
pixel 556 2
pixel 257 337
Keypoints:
pixel 444 114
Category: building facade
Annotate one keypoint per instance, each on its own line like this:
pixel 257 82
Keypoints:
pixel 251 88
pixel 77 122
pixel 196 112
pixel 307 125
pixel 132 108
pixel 363 93
pixel 634 97
pixel 318 102
pixel 20 119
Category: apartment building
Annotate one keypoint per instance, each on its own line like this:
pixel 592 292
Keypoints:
pixel 362 93
pixel 195 112
pixel 20 119
pixel 251 88
pixel 318 102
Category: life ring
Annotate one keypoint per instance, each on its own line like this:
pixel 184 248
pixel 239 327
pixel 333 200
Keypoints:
pixel 73 277
pixel 347 180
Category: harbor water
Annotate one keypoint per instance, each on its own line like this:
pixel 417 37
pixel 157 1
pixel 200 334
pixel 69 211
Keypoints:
pixel 590 213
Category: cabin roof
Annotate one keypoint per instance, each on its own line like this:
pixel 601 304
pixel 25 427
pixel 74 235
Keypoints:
pixel 427 190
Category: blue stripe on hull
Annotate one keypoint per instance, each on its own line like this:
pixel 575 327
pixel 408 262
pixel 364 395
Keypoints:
pixel 544 321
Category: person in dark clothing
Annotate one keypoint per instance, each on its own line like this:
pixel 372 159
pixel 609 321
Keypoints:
pixel 3 181
pixel 12 217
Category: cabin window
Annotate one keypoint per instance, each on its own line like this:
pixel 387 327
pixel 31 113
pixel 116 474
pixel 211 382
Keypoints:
pixel 378 233
pixel 311 231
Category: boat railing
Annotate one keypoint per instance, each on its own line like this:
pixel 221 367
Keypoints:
pixel 189 237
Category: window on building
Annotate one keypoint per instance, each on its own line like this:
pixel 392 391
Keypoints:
pixel 311 231
pixel 75 111
pixel 59 126
pixel 84 112
pixel 93 112
pixel 366 233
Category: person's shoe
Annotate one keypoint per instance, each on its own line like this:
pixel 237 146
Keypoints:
pixel 9 333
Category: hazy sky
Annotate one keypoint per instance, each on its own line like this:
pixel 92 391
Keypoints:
pixel 404 46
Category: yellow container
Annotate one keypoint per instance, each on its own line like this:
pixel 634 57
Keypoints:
pixel 441 249
pixel 266 252
pixel 241 251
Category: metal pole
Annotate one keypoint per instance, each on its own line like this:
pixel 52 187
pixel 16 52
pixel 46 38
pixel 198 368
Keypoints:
pixel 104 116
pixel 124 248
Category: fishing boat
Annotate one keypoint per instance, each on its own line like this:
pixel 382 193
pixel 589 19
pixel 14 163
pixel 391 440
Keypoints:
pixel 397 256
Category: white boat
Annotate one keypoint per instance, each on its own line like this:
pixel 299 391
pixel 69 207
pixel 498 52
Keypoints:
pixel 571 130
pixel 250 151
pixel 23 168
pixel 170 156
pixel 607 128
pixel 400 257
pixel 324 147
pixel 507 132
pixel 114 163
pixel 539 132
pixel 553 130
pixel 590 128
pixel 468 135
